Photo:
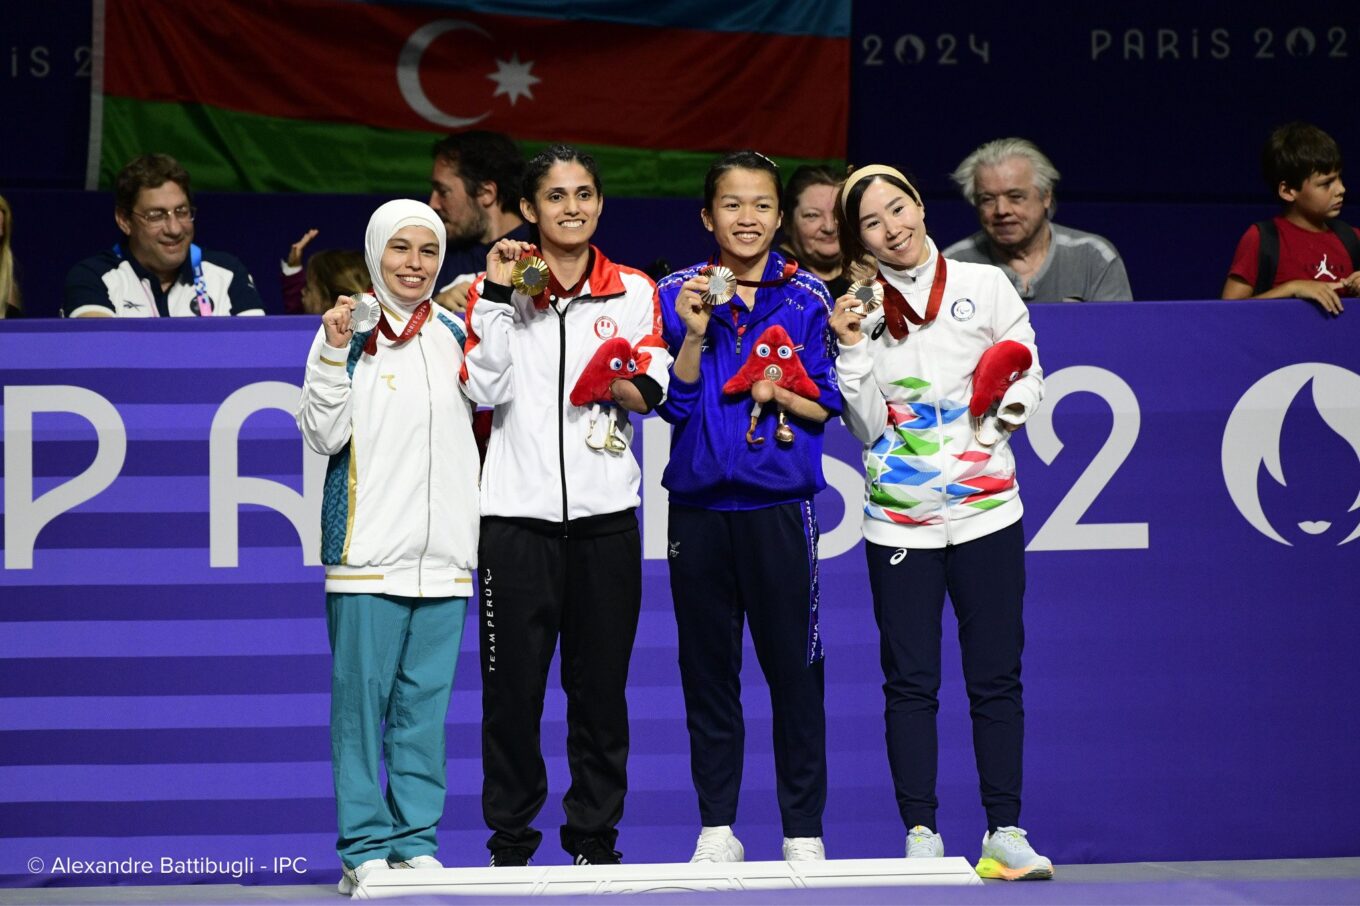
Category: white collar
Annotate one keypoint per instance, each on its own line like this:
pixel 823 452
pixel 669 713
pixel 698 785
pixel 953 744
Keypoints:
pixel 914 282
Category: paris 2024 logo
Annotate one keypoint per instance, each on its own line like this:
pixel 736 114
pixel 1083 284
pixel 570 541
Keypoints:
pixel 1255 434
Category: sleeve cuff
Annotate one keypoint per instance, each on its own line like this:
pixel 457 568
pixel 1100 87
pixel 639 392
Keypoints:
pixel 335 357
pixel 289 270
pixel 496 292
pixel 650 390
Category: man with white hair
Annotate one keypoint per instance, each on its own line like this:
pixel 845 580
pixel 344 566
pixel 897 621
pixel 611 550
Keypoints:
pixel 1010 183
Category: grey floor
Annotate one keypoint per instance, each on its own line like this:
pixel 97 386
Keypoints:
pixel 1264 881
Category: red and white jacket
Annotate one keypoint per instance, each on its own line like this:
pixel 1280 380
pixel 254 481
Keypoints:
pixel 524 360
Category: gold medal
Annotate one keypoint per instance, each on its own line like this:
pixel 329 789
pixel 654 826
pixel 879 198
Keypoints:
pixel 868 294
pixel 722 285
pixel 530 275
pixel 364 316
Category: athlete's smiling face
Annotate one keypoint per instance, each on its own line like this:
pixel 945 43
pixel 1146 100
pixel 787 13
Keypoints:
pixel 410 263
pixel 566 206
pixel 892 225
pixel 744 215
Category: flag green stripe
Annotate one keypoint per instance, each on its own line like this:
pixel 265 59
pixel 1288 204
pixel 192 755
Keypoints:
pixel 241 152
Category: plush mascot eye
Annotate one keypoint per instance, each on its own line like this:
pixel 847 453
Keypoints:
pixel 616 364
pixel 632 367
pixel 785 352
pixel 763 350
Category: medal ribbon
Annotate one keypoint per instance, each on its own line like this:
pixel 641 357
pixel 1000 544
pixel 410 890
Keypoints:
pixel 790 268
pixel 557 289
pixel 896 311
pixel 413 325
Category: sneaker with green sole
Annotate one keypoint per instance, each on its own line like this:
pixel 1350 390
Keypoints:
pixel 1007 855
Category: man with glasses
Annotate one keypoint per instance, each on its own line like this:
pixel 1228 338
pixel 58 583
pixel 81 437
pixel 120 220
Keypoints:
pixel 1010 183
pixel 156 270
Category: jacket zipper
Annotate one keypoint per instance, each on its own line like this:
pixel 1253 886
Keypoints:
pixel 429 467
pixel 561 417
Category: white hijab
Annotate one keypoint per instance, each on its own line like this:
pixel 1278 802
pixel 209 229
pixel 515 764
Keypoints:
pixel 382 226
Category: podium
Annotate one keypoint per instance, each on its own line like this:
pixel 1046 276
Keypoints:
pixel 678 877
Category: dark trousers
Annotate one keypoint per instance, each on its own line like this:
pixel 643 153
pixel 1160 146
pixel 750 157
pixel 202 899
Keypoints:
pixel 758 565
pixel 985 579
pixel 537 586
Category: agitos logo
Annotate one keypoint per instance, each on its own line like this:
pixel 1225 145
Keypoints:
pixel 1256 431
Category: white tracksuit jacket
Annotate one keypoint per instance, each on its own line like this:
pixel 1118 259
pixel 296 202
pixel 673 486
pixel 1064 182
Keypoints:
pixel 399 515
pixel 525 361
pixel 929 482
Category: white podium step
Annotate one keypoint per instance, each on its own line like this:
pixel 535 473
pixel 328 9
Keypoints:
pixel 668 878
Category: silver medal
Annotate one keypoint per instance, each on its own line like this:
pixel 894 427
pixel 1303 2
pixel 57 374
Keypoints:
pixel 365 314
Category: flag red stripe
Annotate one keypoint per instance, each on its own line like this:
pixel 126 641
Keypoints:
pixel 603 83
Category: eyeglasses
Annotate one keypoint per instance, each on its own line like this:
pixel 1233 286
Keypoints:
pixel 158 217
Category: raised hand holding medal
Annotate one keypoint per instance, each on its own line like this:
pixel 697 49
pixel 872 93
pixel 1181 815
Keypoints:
pixel 504 256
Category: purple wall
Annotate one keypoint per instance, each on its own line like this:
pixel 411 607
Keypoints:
pixel 1187 675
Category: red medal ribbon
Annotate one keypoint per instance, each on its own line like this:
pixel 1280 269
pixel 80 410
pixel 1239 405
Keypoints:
pixel 790 268
pixel 555 289
pixel 896 311
pixel 412 327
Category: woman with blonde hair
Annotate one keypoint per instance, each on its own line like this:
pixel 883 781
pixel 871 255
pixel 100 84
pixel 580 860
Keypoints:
pixel 11 300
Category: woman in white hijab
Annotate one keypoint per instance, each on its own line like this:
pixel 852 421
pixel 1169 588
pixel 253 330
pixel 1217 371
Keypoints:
pixel 399 539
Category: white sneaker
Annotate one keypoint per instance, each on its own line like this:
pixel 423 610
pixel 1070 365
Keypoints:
pixel 804 849
pixel 418 862
pixel 1006 854
pixel 924 843
pixel 352 878
pixel 718 844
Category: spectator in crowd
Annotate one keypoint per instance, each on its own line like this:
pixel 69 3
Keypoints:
pixel 810 236
pixel 1306 251
pixel 329 274
pixel 399 539
pixel 475 189
pixel 1010 183
pixel 11 300
pixel 156 269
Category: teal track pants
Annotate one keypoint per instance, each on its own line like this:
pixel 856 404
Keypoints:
pixel 392 668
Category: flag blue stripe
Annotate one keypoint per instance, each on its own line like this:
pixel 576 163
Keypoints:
pixel 827 18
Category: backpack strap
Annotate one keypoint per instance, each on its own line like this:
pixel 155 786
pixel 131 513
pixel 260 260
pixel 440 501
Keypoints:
pixel 1346 233
pixel 1267 256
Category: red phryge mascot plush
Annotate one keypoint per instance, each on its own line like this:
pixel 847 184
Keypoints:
pixel 615 360
pixel 998 368
pixel 773 359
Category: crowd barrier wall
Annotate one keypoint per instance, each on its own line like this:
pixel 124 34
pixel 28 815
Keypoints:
pixel 1192 500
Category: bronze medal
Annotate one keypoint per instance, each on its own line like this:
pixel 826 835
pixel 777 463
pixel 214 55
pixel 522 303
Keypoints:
pixel 722 285
pixel 773 373
pixel 868 294
pixel 530 275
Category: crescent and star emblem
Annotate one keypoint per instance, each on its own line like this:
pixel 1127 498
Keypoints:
pixel 514 78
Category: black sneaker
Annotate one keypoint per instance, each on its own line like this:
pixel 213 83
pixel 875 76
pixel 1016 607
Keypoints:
pixel 510 857
pixel 593 851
